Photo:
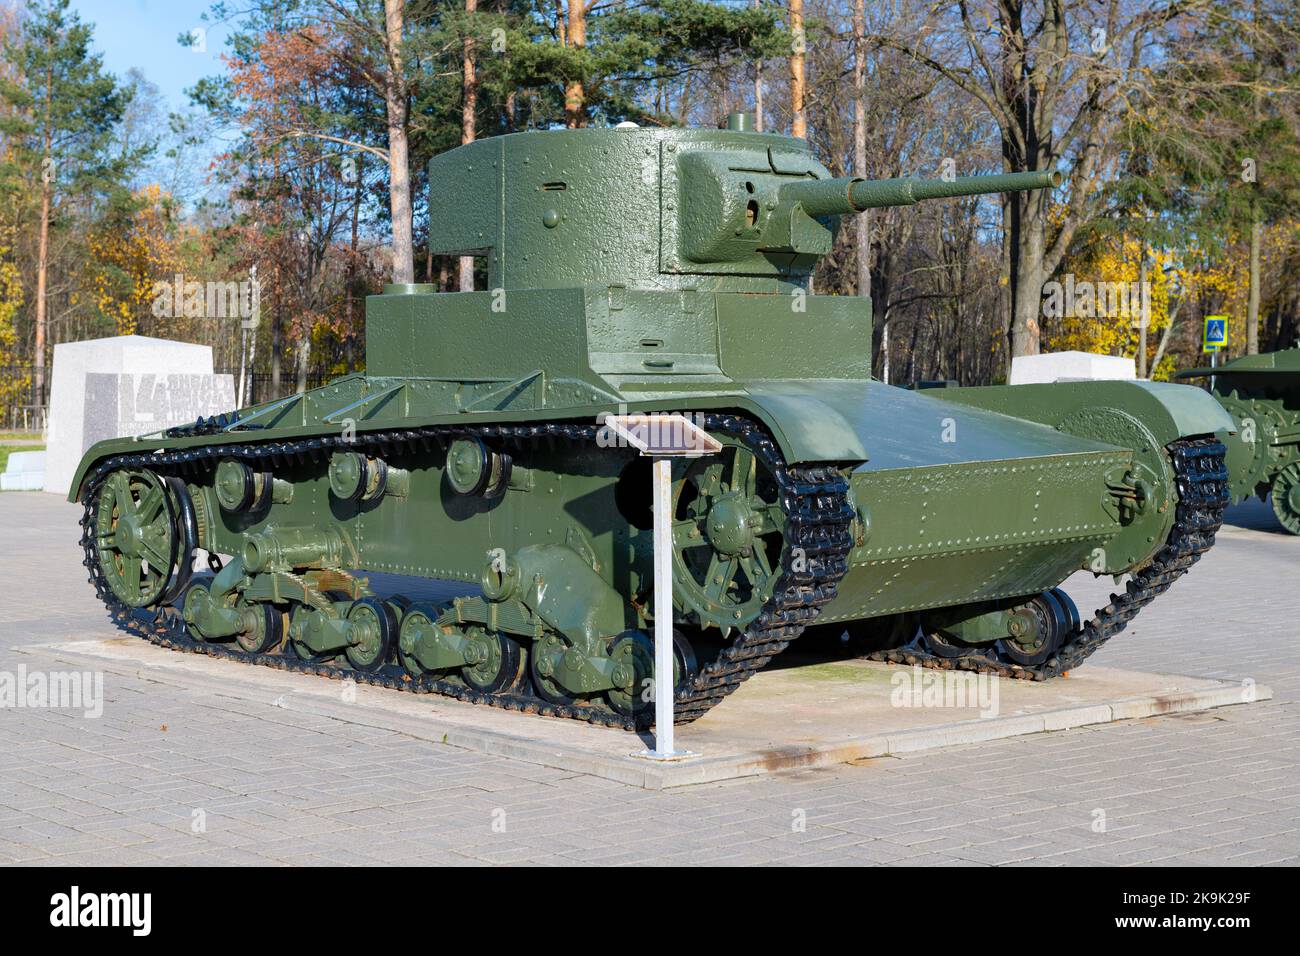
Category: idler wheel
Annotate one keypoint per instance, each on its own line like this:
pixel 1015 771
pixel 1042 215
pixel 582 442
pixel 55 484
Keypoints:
pixel 1071 609
pixel 374 632
pixel 137 538
pixel 634 656
pixel 943 645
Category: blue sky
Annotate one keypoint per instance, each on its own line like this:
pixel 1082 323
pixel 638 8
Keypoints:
pixel 142 34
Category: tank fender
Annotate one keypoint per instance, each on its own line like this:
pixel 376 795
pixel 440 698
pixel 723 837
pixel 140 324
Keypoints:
pixel 1192 411
pixel 1167 410
pixel 95 454
pixel 806 428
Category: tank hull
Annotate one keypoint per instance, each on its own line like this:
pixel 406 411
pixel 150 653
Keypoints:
pixel 959 509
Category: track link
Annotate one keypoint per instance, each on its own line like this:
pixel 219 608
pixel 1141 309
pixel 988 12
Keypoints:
pixel 814 500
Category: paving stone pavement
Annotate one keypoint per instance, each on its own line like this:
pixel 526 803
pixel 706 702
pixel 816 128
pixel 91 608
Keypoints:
pixel 270 786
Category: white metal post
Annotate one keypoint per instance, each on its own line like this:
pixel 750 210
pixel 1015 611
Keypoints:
pixel 663 543
pixel 661 438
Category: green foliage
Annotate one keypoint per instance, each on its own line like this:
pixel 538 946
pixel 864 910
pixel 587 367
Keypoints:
pixel 1214 143
pixel 630 48
pixel 62 109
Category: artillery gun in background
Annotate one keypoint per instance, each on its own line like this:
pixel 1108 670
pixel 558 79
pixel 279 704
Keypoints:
pixel 647 270
pixel 1262 394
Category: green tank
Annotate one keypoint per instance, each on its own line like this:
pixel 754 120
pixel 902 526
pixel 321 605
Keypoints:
pixel 641 270
pixel 1262 394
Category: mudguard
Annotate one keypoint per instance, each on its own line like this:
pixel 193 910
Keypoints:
pixel 863 421
pixel 805 426
pixel 1168 411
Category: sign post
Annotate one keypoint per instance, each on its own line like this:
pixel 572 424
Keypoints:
pixel 1214 339
pixel 663 437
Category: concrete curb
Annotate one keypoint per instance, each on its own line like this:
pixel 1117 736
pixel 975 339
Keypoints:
pixel 523 737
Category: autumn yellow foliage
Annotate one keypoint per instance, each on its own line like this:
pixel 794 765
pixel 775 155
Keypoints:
pixel 129 256
pixel 1181 284
pixel 1116 331
pixel 11 300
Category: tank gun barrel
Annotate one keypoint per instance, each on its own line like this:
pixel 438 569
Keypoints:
pixel 850 194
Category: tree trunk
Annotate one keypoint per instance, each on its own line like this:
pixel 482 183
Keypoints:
pixel 758 89
pixel 468 127
pixel 277 346
pixel 575 97
pixel 798 119
pixel 399 173
pixel 1026 333
pixel 880 292
pixel 508 105
pixel 42 269
pixel 1252 302
pixel 1256 223
pixel 304 358
pixel 43 243
pixel 862 227
pixel 1169 328
pixel 1144 313
pixel 246 398
pixel 350 291
pixel 1025 249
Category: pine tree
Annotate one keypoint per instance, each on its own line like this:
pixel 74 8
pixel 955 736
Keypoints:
pixel 61 117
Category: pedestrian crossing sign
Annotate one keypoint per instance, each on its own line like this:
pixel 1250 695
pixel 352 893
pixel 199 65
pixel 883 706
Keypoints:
pixel 1215 336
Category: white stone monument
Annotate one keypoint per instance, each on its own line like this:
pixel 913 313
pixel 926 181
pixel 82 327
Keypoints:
pixel 126 385
pixel 1070 367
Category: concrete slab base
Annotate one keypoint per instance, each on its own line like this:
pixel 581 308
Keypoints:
pixel 782 719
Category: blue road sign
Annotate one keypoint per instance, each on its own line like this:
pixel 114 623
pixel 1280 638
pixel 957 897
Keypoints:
pixel 1215 336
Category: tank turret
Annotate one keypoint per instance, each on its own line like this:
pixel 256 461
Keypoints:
pixel 659 206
